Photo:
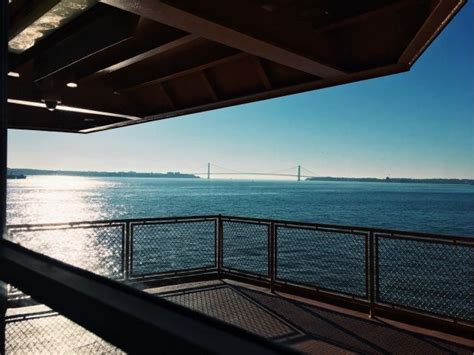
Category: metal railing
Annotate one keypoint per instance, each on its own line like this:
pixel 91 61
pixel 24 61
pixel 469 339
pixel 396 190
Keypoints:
pixel 121 317
pixel 423 275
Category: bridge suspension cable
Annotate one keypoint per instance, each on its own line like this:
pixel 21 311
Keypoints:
pixel 309 171
pixel 297 171
pixel 229 170
pixel 292 169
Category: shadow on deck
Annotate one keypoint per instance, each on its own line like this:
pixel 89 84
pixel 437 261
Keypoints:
pixel 306 325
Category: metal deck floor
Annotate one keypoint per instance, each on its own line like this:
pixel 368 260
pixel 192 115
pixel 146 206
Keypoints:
pixel 307 326
pixel 38 330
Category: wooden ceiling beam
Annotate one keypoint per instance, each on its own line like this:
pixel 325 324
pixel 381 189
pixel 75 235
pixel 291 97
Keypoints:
pixel 150 53
pixel 208 86
pixel 262 74
pixel 364 17
pixel 184 72
pixel 444 11
pixel 166 96
pixel 100 33
pixel 186 21
pixel 276 92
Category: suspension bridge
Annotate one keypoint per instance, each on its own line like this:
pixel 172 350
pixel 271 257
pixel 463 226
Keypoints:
pixel 297 172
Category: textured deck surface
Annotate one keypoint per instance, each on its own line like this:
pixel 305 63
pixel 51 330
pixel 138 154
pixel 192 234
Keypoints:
pixel 38 330
pixel 307 327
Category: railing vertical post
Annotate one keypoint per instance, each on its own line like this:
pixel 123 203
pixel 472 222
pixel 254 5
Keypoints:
pixel 220 245
pixel 272 255
pixel 127 245
pixel 371 274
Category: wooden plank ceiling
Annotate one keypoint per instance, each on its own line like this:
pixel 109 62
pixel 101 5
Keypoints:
pixel 144 60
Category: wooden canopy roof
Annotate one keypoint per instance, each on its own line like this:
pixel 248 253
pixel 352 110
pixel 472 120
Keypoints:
pixel 144 60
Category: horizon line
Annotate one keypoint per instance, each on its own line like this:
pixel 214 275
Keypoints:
pixel 240 173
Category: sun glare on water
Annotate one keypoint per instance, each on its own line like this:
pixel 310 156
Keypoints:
pixel 53 199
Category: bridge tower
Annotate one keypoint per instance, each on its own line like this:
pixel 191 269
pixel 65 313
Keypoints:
pixel 208 171
pixel 299 172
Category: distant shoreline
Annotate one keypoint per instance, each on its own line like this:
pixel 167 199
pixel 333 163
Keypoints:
pixel 45 172
pixel 396 180
pixel 32 172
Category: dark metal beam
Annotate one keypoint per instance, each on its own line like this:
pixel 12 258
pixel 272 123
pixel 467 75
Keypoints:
pixel 126 317
pixel 186 21
pixel 150 53
pixel 3 111
pixel 3 152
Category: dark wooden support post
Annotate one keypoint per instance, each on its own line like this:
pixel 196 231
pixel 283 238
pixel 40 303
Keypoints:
pixel 3 153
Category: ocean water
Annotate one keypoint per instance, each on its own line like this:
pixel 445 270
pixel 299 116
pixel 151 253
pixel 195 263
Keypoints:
pixel 426 276
pixel 447 209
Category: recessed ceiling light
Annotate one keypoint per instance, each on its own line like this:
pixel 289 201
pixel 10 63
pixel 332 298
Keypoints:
pixel 13 74
pixel 71 85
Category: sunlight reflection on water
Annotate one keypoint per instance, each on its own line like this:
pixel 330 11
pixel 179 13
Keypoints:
pixel 98 249
pixel 49 199
pixel 447 209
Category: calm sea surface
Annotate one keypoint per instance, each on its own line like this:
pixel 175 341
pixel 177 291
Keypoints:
pixel 408 270
pixel 416 207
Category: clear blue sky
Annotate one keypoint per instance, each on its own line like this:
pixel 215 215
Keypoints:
pixel 416 124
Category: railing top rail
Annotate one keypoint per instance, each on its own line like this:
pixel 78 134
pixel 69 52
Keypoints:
pixel 347 228
pixel 110 222
pixel 468 239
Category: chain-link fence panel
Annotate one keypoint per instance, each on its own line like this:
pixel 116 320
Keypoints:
pixel 325 259
pixel 163 247
pixel 425 275
pixel 95 248
pixel 245 247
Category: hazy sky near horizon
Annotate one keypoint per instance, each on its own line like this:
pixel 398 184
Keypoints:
pixel 415 124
